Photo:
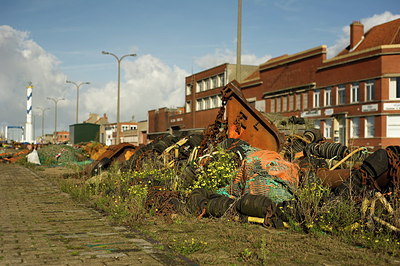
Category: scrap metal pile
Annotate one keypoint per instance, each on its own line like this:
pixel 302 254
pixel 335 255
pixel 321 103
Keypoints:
pixel 270 165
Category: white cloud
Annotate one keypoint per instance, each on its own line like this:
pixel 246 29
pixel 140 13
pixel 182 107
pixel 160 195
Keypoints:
pixel 146 83
pixel 228 56
pixel 23 60
pixel 369 22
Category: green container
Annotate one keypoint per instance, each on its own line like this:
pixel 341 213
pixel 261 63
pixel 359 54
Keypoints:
pixel 84 132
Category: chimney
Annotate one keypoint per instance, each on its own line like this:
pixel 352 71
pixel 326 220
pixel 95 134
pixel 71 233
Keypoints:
pixel 356 33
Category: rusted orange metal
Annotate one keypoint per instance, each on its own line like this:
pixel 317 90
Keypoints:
pixel 115 153
pixel 333 178
pixel 13 157
pixel 247 123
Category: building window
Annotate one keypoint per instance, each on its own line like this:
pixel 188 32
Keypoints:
pixel 214 101
pixel 221 79
pixel 305 100
pixel 214 82
pixel 394 88
pixel 355 128
pixel 284 104
pixel 260 105
pixel 291 102
pixel 370 126
pixel 188 89
pixel 219 100
pixel 188 106
pixel 355 92
pixel 208 84
pixel 278 105
pixel 341 94
pixel 207 103
pixel 328 97
pixel 316 98
pixel 317 124
pixel 199 105
pixel 298 101
pixel 199 86
pixel 272 102
pixel 328 129
pixel 370 90
pixel 393 126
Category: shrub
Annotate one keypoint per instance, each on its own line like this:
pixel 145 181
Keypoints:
pixel 219 172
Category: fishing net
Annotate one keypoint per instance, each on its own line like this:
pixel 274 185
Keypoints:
pixel 264 173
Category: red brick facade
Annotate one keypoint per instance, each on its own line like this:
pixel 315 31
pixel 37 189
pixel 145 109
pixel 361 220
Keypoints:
pixel 354 97
pixel 62 136
pixel 202 101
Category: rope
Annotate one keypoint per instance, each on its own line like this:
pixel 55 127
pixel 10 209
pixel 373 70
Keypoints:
pixel 346 158
pixel 301 138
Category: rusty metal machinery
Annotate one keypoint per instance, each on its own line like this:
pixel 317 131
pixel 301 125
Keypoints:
pixel 247 123
pixel 242 121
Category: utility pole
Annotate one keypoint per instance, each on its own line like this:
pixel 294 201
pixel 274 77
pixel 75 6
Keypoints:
pixel 239 43
pixel 119 59
pixel 77 97
pixel 55 112
pixel 43 110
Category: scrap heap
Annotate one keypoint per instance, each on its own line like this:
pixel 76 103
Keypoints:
pixel 270 166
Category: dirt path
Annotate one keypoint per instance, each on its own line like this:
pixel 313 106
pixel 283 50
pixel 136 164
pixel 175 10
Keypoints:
pixel 41 225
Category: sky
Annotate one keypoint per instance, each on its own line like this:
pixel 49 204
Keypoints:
pixel 47 42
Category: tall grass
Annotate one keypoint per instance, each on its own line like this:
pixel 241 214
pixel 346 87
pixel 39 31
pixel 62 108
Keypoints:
pixel 314 209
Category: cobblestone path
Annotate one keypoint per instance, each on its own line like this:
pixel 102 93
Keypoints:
pixel 41 225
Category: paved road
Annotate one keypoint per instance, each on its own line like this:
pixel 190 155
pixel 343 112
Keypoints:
pixel 41 225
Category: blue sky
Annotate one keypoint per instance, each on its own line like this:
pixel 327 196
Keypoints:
pixel 171 38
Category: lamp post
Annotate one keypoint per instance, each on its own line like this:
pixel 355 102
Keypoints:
pixel 55 100
pixel 43 110
pixel 239 44
pixel 119 81
pixel 77 96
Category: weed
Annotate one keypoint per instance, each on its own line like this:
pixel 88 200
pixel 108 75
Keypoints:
pixel 188 247
pixel 217 173
pixel 264 252
pixel 75 253
pixel 246 254
pixel 308 203
pixel 77 191
pixel 314 209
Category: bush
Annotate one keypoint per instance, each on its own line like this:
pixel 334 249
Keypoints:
pixel 218 172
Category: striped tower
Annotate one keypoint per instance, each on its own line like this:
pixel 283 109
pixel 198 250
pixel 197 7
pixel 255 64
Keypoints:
pixel 28 125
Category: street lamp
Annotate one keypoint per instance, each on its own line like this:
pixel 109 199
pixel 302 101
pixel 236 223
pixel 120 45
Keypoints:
pixel 43 110
pixel 77 96
pixel 55 113
pixel 118 94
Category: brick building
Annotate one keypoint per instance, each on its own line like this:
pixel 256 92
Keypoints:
pixel 62 136
pixel 202 101
pixel 354 97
